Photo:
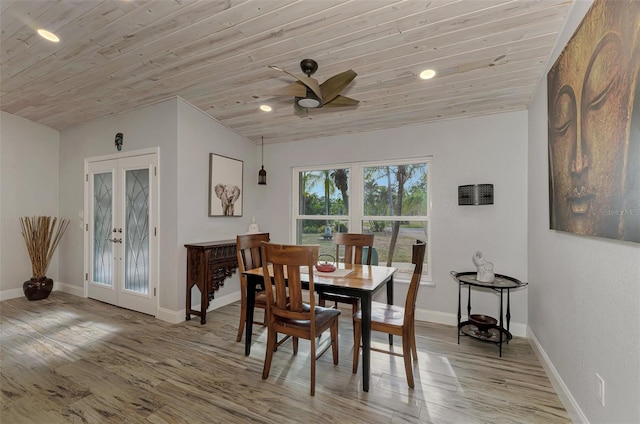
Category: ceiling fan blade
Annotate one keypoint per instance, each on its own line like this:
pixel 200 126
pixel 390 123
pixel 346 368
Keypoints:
pixel 342 101
pixel 296 89
pixel 308 81
pixel 334 85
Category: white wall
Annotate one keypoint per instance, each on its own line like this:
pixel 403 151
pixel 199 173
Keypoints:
pixel 198 136
pixel 152 126
pixel 489 149
pixel 584 292
pixel 28 187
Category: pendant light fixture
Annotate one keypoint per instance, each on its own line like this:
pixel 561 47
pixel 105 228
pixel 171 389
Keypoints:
pixel 262 174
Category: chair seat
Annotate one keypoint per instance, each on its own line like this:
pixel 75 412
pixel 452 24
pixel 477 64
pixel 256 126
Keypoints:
pixel 334 297
pixel 261 300
pixel 323 316
pixel 383 313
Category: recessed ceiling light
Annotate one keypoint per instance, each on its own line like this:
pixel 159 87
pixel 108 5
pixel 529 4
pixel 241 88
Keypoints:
pixel 266 108
pixel 427 74
pixel 48 35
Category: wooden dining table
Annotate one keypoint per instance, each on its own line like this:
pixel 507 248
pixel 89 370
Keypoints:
pixel 362 281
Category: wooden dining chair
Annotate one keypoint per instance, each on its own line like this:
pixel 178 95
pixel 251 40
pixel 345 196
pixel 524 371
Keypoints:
pixel 353 245
pixel 396 320
pixel 249 257
pixel 288 313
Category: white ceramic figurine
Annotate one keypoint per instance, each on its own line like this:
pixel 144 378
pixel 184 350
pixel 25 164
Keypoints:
pixel 485 269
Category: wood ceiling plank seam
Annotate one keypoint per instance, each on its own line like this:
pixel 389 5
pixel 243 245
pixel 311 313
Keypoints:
pixel 110 30
pixel 389 89
pixel 111 67
pixel 72 34
pixel 420 94
pixel 155 98
pixel 408 44
pixel 204 63
pixel 444 41
pixel 177 20
pixel 206 72
pixel 72 53
pixel 154 76
pixel 232 92
pixel 31 43
pixel 413 89
pixel 449 95
pixel 19 16
pixel 380 73
pixel 363 83
pixel 365 96
pixel 454 100
pixel 386 78
pixel 4 5
pixel 378 122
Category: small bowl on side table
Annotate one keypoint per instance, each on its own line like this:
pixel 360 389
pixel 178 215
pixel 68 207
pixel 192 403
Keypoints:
pixel 483 322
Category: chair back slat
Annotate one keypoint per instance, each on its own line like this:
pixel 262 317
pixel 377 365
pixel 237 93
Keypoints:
pixel 285 298
pixel 248 251
pixel 419 249
pixel 353 245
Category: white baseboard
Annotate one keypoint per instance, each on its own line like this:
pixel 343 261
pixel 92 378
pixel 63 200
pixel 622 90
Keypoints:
pixel 175 317
pixel 57 286
pixel 517 329
pixel 570 404
pixel 68 288
pixel 11 294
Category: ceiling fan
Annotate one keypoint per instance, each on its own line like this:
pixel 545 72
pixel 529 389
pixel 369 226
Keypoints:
pixel 311 95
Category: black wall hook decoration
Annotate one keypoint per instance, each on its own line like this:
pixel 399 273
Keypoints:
pixel 119 141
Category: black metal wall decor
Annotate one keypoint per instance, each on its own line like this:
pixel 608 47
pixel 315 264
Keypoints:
pixel 119 140
pixel 475 194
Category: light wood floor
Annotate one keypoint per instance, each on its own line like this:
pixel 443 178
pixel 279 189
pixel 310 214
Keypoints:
pixel 72 360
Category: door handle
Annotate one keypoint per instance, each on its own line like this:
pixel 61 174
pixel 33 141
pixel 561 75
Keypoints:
pixel 115 240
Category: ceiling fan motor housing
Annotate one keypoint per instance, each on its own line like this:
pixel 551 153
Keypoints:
pixel 309 101
pixel 309 66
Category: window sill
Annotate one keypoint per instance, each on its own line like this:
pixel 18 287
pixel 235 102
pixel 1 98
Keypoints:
pixel 403 280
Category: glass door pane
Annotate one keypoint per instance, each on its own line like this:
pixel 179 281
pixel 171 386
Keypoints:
pixel 136 240
pixel 103 228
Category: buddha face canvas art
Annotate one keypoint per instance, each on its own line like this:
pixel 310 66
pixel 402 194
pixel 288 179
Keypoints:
pixel 593 118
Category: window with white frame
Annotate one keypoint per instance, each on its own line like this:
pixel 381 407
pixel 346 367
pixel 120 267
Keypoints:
pixel 389 199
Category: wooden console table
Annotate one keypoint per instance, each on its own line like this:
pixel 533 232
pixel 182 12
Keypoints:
pixel 208 264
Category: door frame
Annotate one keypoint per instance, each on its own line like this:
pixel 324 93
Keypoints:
pixel 155 219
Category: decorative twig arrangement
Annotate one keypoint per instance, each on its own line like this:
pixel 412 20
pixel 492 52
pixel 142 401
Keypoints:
pixel 42 235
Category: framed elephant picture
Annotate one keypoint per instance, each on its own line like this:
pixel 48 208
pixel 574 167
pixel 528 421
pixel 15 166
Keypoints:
pixel 225 186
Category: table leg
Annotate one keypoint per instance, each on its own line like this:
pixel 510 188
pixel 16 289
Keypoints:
pixel 390 302
pixel 189 286
pixel 366 340
pixel 508 311
pixel 501 323
pixel 459 309
pixel 248 324
pixel 204 303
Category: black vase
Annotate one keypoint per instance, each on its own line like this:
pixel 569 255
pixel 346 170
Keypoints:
pixel 38 288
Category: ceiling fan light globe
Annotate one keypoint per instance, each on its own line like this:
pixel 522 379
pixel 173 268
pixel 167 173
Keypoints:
pixel 308 102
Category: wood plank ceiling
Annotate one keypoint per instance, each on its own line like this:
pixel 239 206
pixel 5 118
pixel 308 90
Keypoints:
pixel 117 55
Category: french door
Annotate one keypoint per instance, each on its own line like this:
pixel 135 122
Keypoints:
pixel 122 231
